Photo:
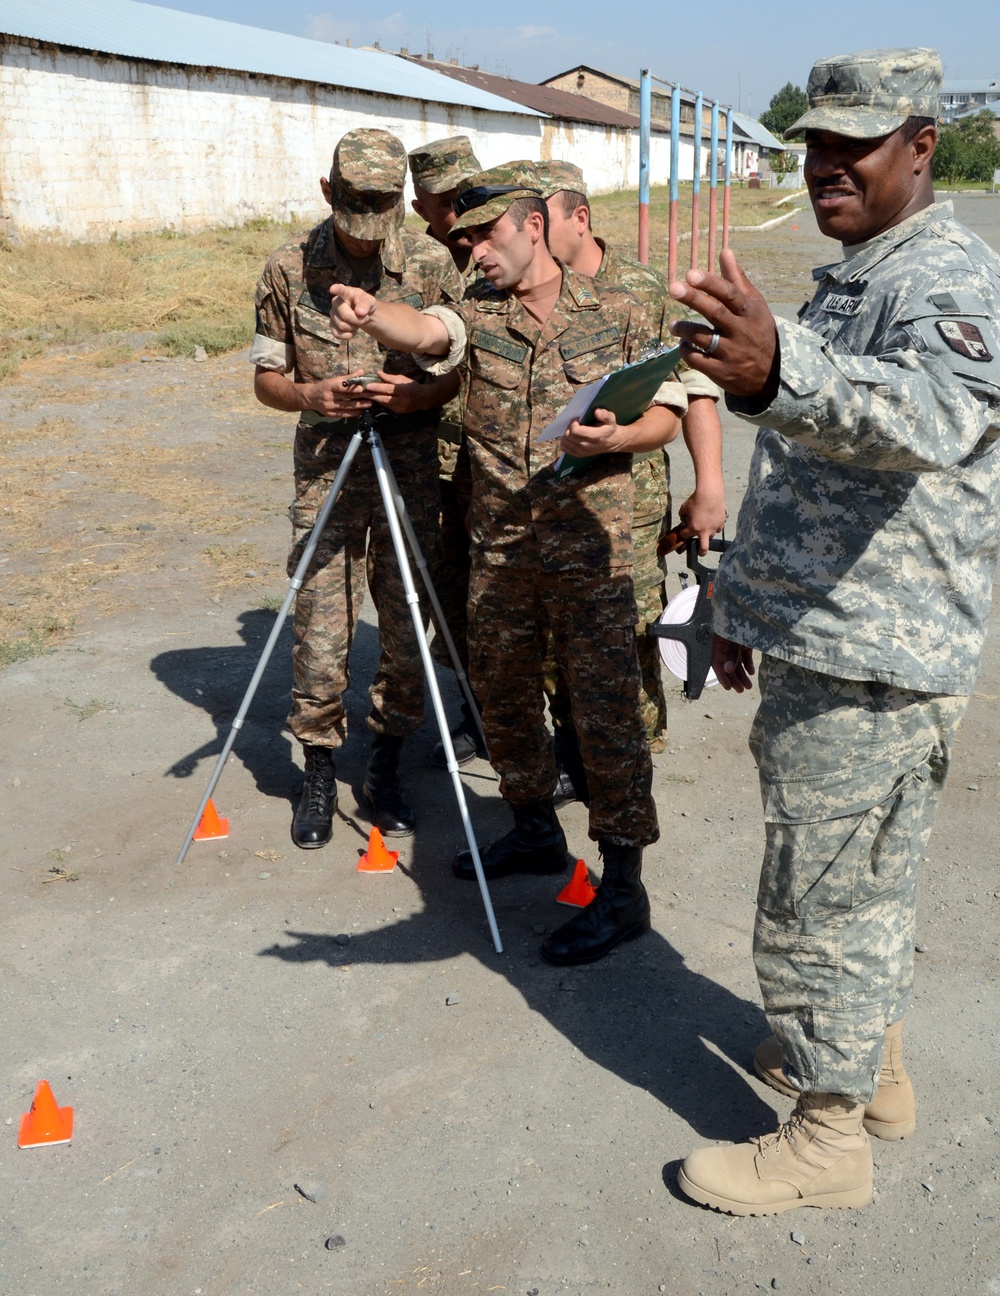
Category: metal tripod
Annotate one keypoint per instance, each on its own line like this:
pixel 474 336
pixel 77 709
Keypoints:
pixel 399 524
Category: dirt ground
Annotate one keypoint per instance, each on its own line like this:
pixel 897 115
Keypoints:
pixel 259 1017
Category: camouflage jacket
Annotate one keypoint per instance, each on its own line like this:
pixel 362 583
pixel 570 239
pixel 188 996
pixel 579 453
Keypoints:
pixel 867 541
pixel 653 291
pixel 293 306
pixel 450 429
pixel 518 378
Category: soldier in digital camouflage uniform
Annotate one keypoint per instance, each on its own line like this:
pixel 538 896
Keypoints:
pixel 572 241
pixel 437 169
pixel 301 367
pixel 862 571
pixel 547 553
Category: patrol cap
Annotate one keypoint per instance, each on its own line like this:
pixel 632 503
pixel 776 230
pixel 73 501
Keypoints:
pixel 871 93
pixel 485 196
pixel 556 175
pixel 443 164
pixel 366 180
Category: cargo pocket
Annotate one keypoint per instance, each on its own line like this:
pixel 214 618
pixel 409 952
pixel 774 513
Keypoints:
pixel 829 849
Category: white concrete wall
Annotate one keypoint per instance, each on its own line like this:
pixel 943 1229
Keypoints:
pixel 609 156
pixel 91 145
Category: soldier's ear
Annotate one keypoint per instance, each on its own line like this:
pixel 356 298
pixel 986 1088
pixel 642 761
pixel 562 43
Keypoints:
pixel 324 185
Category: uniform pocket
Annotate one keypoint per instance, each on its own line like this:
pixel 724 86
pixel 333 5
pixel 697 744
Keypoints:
pixel 314 323
pixel 830 847
pixel 593 364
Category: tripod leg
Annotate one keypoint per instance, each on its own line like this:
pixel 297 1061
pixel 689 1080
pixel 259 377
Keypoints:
pixel 422 567
pixel 293 588
pixel 413 599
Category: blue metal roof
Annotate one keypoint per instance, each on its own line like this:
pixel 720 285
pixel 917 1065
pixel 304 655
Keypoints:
pixel 132 30
pixel 748 125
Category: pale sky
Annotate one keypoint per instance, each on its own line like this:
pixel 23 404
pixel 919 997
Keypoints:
pixel 739 53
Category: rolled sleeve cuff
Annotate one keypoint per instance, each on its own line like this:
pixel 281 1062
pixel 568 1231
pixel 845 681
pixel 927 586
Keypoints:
pixel 698 384
pixel 269 354
pixel 673 395
pixel 457 341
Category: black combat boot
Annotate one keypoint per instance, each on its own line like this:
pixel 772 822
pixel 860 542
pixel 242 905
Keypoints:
pixel 466 740
pixel 536 844
pixel 312 825
pixel 391 813
pixel 571 782
pixel 619 911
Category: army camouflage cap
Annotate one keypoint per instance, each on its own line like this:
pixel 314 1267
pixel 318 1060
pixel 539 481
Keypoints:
pixel 485 196
pixel 556 175
pixel 443 164
pixel 367 178
pixel 871 93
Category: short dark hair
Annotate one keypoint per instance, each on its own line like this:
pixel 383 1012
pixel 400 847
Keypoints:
pixel 914 125
pixel 571 200
pixel 521 208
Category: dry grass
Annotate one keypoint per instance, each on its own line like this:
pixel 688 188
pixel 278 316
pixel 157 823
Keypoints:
pixel 67 552
pixel 191 290
pixel 195 290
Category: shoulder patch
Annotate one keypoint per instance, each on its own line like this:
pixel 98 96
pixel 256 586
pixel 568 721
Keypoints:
pixel 965 339
pixel 592 342
pixel 497 345
pixel 412 299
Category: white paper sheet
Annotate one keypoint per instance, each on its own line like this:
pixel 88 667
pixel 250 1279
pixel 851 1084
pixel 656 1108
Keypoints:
pixel 577 407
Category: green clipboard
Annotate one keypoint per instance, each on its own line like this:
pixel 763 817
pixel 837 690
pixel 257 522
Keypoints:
pixel 626 393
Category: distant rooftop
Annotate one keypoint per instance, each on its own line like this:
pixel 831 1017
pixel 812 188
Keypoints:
pixel 560 104
pixel 132 30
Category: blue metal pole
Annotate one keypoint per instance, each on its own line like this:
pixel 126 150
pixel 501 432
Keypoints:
pixel 728 178
pixel 713 183
pixel 645 113
pixel 675 166
pixel 696 190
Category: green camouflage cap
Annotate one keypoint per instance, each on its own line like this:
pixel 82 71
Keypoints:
pixel 367 178
pixel 871 93
pixel 556 175
pixel 443 164
pixel 476 205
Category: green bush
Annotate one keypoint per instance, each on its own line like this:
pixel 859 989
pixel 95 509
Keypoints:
pixel 968 150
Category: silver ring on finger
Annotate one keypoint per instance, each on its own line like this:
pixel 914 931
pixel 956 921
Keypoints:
pixel 713 346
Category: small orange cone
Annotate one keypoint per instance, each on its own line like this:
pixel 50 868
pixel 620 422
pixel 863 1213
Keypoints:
pixel 580 890
pixel 376 858
pixel 46 1122
pixel 211 827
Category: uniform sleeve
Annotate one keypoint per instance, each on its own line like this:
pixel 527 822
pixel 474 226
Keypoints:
pixel 457 342
pixel 922 404
pixel 697 384
pixel 273 342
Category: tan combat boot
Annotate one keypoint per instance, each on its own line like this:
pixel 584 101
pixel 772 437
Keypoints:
pixel 821 1157
pixel 890 1115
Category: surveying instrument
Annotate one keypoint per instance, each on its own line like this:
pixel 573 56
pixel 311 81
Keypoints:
pixel 399 525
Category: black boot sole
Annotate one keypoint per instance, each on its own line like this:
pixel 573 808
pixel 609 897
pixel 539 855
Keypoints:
pixel 598 951
pixel 400 830
pixel 312 845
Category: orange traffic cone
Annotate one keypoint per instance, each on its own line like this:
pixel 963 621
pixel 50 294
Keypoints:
pixel 46 1122
pixel 210 826
pixel 580 890
pixel 376 858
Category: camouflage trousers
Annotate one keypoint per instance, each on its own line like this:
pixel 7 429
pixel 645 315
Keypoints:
pixel 356 545
pixel 451 568
pixel 851 774
pixel 592 622
pixel 650 520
